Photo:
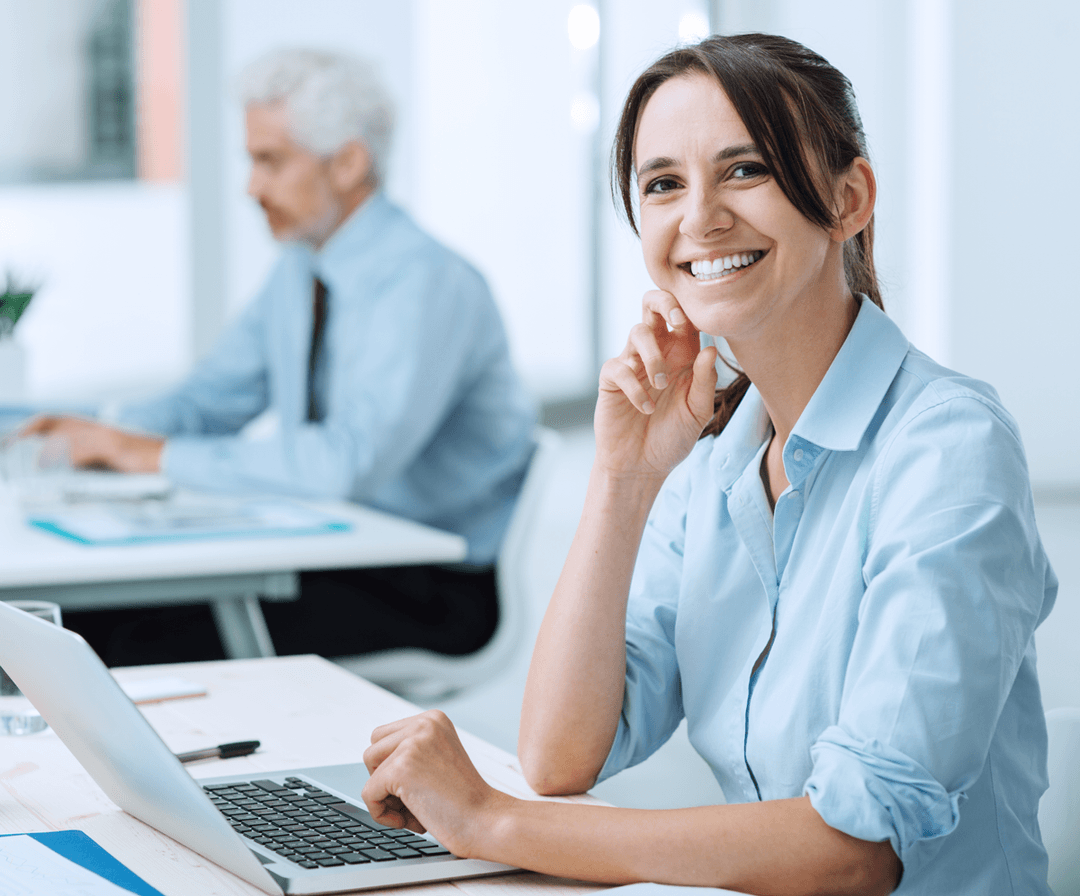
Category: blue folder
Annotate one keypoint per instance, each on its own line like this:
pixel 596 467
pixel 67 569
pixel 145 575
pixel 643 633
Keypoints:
pixel 82 850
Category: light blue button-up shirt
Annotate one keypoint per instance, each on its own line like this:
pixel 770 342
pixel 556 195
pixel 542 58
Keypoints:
pixel 424 415
pixel 905 578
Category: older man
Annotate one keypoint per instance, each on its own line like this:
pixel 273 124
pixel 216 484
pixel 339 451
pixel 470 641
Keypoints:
pixel 385 358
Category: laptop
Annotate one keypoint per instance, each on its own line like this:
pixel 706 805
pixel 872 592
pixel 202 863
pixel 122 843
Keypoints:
pixel 328 842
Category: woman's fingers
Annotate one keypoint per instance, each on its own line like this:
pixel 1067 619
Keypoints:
pixel 644 344
pixel 426 781
pixel 703 385
pixel 617 375
pixel 384 740
pixel 663 304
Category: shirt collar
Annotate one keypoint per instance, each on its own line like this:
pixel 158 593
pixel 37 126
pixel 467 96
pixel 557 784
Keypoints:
pixel 846 400
pixel 359 230
pixel 842 406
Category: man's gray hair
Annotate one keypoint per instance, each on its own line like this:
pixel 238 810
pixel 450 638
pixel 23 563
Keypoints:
pixel 330 98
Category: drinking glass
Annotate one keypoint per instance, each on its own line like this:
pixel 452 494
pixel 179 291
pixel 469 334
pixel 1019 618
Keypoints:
pixel 17 714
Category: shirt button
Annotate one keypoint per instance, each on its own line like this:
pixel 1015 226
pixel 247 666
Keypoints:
pixel 797 454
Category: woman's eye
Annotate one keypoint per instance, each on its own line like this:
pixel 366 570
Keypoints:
pixel 747 170
pixel 661 185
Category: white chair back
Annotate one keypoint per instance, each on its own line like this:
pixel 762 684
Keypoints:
pixel 423 675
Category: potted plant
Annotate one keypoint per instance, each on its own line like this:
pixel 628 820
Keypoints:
pixel 14 301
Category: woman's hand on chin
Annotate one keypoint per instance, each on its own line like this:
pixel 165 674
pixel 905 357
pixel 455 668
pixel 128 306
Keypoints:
pixel 657 395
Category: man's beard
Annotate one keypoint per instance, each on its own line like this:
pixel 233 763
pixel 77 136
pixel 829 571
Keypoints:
pixel 310 233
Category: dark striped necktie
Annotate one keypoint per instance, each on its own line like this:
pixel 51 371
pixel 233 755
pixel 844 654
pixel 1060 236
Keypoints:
pixel 318 324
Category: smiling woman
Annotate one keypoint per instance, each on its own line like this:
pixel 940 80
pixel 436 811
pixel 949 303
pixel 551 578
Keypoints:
pixel 836 584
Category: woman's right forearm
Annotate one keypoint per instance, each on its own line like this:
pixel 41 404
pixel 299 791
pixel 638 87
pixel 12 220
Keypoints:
pixel 573 697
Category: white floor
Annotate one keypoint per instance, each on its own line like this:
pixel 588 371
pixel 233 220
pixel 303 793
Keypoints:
pixel 676 775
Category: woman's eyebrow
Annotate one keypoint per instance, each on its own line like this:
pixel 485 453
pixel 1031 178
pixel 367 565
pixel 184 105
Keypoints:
pixel 729 152
pixel 656 164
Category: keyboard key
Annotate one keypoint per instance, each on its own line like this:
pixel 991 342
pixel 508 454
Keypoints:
pixel 434 850
pixel 353 858
pixel 377 855
pixel 306 864
pixel 269 786
pixel 330 861
pixel 405 852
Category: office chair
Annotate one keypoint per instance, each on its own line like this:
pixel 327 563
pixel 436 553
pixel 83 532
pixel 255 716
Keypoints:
pixel 424 675
pixel 1059 810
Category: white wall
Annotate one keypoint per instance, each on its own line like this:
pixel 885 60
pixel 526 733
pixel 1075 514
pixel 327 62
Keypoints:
pixel 112 314
pixel 502 175
pixel 1016 190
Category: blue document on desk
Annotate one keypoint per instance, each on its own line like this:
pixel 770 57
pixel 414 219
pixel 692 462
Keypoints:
pixel 182 517
pixel 77 847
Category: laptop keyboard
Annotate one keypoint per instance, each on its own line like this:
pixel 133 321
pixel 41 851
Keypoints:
pixel 313 828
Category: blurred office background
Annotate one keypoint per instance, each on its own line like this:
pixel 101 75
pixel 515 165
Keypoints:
pixel 122 178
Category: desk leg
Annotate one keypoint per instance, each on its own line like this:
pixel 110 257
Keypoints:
pixel 242 628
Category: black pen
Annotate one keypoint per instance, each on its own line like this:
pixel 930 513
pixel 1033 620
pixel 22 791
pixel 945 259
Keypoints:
pixel 221 751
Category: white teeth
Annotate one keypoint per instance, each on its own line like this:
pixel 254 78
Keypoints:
pixel 719 267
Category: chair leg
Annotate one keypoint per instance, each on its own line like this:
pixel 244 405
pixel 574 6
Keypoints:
pixel 242 628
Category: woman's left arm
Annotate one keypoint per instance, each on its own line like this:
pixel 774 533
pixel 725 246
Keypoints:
pixel 421 778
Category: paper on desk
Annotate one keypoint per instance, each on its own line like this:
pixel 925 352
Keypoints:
pixel 166 687
pixel 183 515
pixel 103 485
pixel 28 868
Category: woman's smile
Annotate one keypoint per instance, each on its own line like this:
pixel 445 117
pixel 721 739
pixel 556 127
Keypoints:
pixel 723 266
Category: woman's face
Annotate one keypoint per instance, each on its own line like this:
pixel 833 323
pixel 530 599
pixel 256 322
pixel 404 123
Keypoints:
pixel 716 229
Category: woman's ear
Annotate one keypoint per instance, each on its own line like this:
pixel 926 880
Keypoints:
pixel 350 167
pixel 856 193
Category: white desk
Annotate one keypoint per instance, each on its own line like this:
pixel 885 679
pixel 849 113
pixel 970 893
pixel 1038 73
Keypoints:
pixel 306 712
pixel 229 574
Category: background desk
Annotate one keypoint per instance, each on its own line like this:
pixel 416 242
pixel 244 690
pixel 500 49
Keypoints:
pixel 229 574
pixel 306 712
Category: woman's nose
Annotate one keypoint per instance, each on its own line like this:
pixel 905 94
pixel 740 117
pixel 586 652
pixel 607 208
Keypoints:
pixel 705 212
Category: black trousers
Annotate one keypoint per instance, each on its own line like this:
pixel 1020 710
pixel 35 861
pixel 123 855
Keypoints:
pixel 339 613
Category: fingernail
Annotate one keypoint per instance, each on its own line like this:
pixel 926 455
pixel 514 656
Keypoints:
pixel 660 381
pixel 676 318
pixel 648 407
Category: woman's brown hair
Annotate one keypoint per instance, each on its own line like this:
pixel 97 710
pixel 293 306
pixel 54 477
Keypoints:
pixel 800 113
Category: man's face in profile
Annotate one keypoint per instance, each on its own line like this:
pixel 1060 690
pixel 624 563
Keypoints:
pixel 291 183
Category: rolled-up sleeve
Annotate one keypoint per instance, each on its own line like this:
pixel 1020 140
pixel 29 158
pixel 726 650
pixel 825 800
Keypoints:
pixel 955 584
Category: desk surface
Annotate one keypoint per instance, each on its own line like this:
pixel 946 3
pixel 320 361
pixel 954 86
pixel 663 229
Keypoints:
pixel 31 557
pixel 305 710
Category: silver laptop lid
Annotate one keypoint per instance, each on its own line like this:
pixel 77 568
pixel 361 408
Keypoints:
pixel 74 692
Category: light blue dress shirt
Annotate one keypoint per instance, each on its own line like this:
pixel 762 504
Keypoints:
pixel 905 576
pixel 424 415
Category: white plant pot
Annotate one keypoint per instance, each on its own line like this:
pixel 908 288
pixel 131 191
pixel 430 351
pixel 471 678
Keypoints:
pixel 12 370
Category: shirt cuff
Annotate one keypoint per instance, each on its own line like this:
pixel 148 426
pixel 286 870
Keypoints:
pixel 874 792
